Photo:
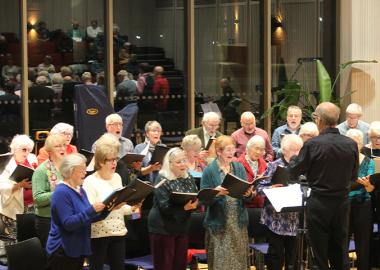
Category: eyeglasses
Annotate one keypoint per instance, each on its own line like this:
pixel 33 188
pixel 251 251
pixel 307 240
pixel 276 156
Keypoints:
pixel 67 134
pixel 181 161
pixel 59 146
pixel 111 160
pixel 375 138
pixel 24 150
pixel 116 124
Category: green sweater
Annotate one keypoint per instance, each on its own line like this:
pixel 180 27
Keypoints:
pixel 41 190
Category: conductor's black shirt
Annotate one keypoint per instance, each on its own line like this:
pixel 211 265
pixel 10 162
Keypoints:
pixel 330 162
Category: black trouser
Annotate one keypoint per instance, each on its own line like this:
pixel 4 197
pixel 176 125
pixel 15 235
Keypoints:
pixel 42 229
pixel 327 220
pixel 60 261
pixel 112 247
pixel 361 226
pixel 281 248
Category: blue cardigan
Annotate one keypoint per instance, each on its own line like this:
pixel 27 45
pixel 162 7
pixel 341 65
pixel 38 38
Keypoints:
pixel 215 218
pixel 71 217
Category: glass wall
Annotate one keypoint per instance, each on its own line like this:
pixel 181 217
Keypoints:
pixel 150 52
pixel 228 67
pixel 10 62
pixel 302 31
pixel 65 48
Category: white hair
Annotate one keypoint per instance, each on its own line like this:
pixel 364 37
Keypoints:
pixel 190 142
pixel 69 163
pixel 354 108
pixel 56 78
pixel 152 124
pixel 113 118
pixel 290 140
pixel 248 115
pixel 374 129
pixel 309 128
pixel 255 140
pixel 21 141
pixel 62 128
pixel 209 116
pixel 354 133
pixel 169 157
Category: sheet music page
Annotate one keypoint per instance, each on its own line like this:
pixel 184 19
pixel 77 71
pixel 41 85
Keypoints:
pixel 280 197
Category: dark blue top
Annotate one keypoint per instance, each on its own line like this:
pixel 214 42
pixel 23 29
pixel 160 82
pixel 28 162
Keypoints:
pixel 71 217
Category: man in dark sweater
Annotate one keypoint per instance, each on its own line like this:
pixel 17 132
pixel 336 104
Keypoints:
pixel 330 162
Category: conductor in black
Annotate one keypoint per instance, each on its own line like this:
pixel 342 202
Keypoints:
pixel 330 162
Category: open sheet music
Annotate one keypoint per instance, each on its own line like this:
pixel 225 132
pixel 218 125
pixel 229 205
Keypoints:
pixel 281 197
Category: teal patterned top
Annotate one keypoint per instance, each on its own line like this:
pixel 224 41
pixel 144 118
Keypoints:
pixel 367 167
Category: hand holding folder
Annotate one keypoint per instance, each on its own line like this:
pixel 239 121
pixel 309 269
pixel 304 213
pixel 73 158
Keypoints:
pixel 182 198
pixel 21 173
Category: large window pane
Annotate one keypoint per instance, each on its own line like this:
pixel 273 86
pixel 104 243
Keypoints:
pixel 228 64
pixel 10 62
pixel 65 40
pixel 151 36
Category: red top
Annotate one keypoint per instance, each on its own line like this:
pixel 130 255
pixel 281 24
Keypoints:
pixel 28 194
pixel 161 88
pixel 258 201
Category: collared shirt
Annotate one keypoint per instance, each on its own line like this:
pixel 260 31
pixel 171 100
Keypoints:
pixel 280 223
pixel 276 138
pixel 330 162
pixel 206 136
pixel 362 126
pixel 126 146
pixel 241 138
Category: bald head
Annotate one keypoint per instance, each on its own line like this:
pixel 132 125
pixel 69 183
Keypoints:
pixel 327 114
pixel 248 122
pixel 158 70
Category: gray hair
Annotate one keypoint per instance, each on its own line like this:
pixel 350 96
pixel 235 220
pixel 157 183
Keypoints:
pixel 354 108
pixel 61 128
pixel 190 142
pixel 41 80
pixel 20 141
pixel 152 124
pixel 374 129
pixel 290 140
pixel 255 140
pixel 169 157
pixel 56 78
pixel 69 163
pixel 309 128
pixel 123 73
pixel 354 133
pixel 113 118
pixel 86 76
pixel 210 115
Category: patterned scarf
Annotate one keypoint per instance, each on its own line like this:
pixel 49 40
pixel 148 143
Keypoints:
pixel 52 174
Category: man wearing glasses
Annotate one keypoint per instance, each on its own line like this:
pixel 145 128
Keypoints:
pixel 330 162
pixel 353 115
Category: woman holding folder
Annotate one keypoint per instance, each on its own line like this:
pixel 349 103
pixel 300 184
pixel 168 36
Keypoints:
pixel 226 218
pixel 16 198
pixel 108 235
pixel 168 223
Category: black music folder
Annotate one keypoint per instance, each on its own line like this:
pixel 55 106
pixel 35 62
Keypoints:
pixel 281 176
pixel 117 197
pixel 4 160
pixel 21 172
pixel 235 185
pixel 132 157
pixel 143 189
pixel 159 154
pixel 181 198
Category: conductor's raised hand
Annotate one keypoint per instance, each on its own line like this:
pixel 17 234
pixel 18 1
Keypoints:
pixel 191 205
pixel 98 206
pixel 222 191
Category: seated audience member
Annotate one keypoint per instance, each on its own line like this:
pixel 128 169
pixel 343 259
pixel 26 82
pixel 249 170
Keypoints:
pixel 16 198
pixel 353 115
pixel 282 227
pixel 292 126
pixel 192 146
pixel 248 130
pixel 361 211
pixel 86 78
pixel 145 73
pixel 42 31
pixel 254 163
pixel 44 181
pixel 208 130
pixel 169 224
pixel 69 238
pixel 372 149
pixel 57 86
pixel 124 57
pixel 93 30
pixel 97 65
pixel 10 70
pixel 46 65
pixel 160 89
pixel 108 235
pixel 75 33
pixel 226 219
pixel 153 131
pixel 126 90
pixel 65 130
pixel 308 130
